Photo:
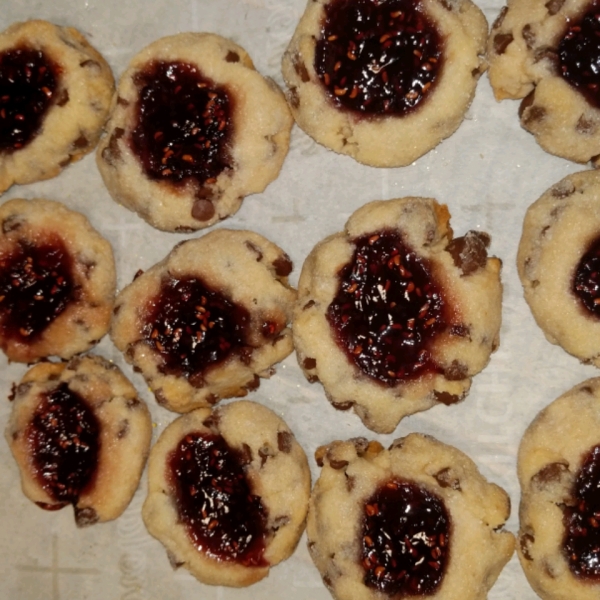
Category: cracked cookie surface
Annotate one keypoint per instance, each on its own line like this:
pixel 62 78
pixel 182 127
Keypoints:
pixel 417 519
pixel 55 94
pixel 57 281
pixel 209 320
pixel 242 467
pixel 384 82
pixel 395 316
pixel 194 128
pixel 80 435
pixel 545 53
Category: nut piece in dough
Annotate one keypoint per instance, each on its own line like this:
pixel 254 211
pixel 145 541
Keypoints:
pixel 389 87
pixel 546 51
pixel 80 436
pixel 394 315
pixel 241 467
pixel 194 129
pixel 559 474
pixel 209 320
pixel 559 260
pixel 417 519
pixel 55 94
pixel 57 281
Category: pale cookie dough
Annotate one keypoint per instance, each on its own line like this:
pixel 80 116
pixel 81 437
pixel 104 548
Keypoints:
pixel 77 102
pixel 559 230
pixel 213 151
pixel 57 281
pixel 276 478
pixel 367 517
pixel 385 136
pixel 209 320
pixel 458 317
pixel 55 471
pixel 524 52
pixel 559 454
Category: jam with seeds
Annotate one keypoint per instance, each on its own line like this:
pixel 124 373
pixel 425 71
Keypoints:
pixel 222 516
pixel 387 309
pixel 28 86
pixel 582 520
pixel 36 285
pixel 378 58
pixel 579 54
pixel 183 126
pixel 193 327
pixel 64 441
pixel 405 540
pixel 586 284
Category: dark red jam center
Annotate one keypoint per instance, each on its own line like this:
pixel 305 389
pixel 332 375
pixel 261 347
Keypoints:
pixel 378 58
pixel 194 327
pixel 405 540
pixel 579 54
pixel 183 124
pixel 223 517
pixel 586 284
pixel 36 285
pixel 582 520
pixel 64 443
pixel 28 83
pixel 387 309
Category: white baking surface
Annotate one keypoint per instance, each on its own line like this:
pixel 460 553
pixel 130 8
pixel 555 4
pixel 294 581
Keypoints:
pixel 488 173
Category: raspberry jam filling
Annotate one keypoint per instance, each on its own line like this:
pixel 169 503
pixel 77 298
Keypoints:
pixel 387 309
pixel 194 328
pixel 579 54
pixel 581 545
pixel 64 443
pixel 378 58
pixel 586 283
pixel 28 85
pixel 405 540
pixel 184 126
pixel 36 285
pixel 222 516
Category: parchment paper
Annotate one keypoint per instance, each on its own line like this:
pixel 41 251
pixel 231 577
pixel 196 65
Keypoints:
pixel 488 173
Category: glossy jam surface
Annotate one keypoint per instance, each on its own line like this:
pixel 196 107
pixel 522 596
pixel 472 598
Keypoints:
pixel 579 54
pixel 184 124
pixel 586 283
pixel 223 517
pixel 582 520
pixel 405 540
pixel 64 441
pixel 378 58
pixel 36 285
pixel 194 327
pixel 28 85
pixel 387 309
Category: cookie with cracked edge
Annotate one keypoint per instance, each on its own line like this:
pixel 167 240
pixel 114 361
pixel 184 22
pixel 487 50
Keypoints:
pixel 57 281
pixel 55 94
pixel 417 519
pixel 558 262
pixel 394 315
pixel 194 128
pixel 241 468
pixel 209 320
pixel 80 436
pixel 390 86
pixel 559 474
pixel 544 52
